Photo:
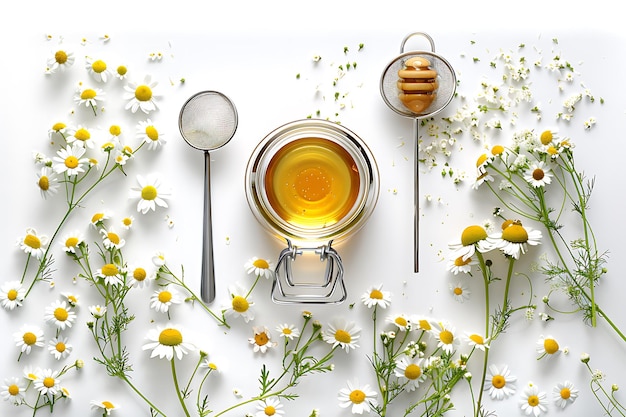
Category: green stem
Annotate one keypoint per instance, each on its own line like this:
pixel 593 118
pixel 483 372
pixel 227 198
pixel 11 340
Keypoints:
pixel 178 392
pixel 486 281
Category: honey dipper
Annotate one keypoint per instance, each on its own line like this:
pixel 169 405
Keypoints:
pixel 417 84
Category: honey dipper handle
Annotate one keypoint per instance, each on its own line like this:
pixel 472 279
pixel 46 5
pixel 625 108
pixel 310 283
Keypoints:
pixel 207 278
pixel 416 235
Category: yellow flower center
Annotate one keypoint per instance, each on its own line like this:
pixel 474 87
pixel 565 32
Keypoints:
pixel 261 263
pixel 412 371
pixel 139 274
pixel 44 183
pixel 357 396
pixel 424 324
pixel 29 338
pixel 143 93
pixel 99 66
pixel 13 389
pixel 32 241
pixel 60 347
pixel 152 133
pixel 82 134
pixel 462 262
pixel 565 393
pixel 60 57
pixel 507 223
pixel 342 336
pixel 538 174
pixel 127 221
pixel 110 270
pixel 240 304
pixel 114 238
pixel 481 160
pixel 261 338
pixel 165 296
pixel 497 150
pixel 12 294
pixel 551 346
pixel 400 321
pixel 61 314
pixel 498 381
pixel 48 382
pixel 473 234
pixel 446 337
pixel 269 410
pixel 287 331
pixel 149 192
pixel 376 295
pixel 457 291
pixel 170 337
pixel 122 70
pixel 71 242
pixel 71 162
pixel 478 339
pixel 515 233
pixel 546 137
pixel 533 401
pixel 97 217
pixel 108 405
pixel 58 126
pixel 553 151
pixel 115 130
pixel 88 94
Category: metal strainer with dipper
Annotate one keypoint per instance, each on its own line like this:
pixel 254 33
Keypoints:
pixel 417 84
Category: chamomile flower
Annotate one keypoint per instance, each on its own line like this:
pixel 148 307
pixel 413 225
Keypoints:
pixel 59 347
pixel 127 222
pixel 121 72
pixel 533 401
pixel 240 303
pixel 288 331
pixel 269 407
pixel 165 342
pixel 111 240
pixel 60 314
pixel 564 393
pixel 422 324
pixel 105 406
pixel 482 177
pixel 400 321
pixel 410 370
pixel 162 299
pixel 90 97
pixel 47 182
pixel 61 60
pixel 159 259
pixel 477 341
pixel 141 95
pixel 515 239
pixel 32 243
pixel 446 339
pixel 97 311
pixel 71 241
pixel 150 135
pixel 13 391
pixel 150 192
pixel 262 339
pixel 80 136
pixel 97 69
pixel 548 136
pixel 473 238
pixel 111 274
pixel 48 383
pixel 69 160
pixel 538 175
pixel 12 293
pixel 71 298
pixel 28 337
pixel 31 374
pixel 499 382
pixel 458 264
pixel 343 334
pixel 139 276
pixel 98 219
pixel 361 398
pixel 547 346
pixel 259 267
pixel 460 292
pixel 375 296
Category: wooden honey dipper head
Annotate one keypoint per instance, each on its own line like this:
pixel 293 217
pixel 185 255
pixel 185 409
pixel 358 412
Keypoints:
pixel 417 84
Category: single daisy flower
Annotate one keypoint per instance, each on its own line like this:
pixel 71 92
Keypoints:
pixel 477 341
pixel 28 337
pixel 48 383
pixel 343 334
pixel 12 293
pixel 150 193
pixel 111 240
pixel 80 136
pixel 375 296
pixel 127 222
pixel 47 182
pixel 105 406
pixel 141 96
pixel 31 374
pixel 288 331
pixel 361 398
pixel 422 323
pixel 97 69
pixel 72 241
pixel 139 277
pixel 533 401
pixel 410 370
pixel 121 72
pixel 71 298
pixel 548 136
pixel 240 304
pixel 97 311
pixel 473 238
pixel 400 321
pixel 111 274
pixel 165 342
pixel 159 259
pixel 259 267
pixel 97 220
pixel 59 347
pixel 219 365
pixel 13 391
pixel 564 393
pixel 460 292
pixel 547 346
pixel 90 97
pixel 538 175
pixel 150 135
pixel 446 339
pixel 481 177
pixel 32 243
pixel 269 407
pixel 262 339
pixel 515 239
pixel 61 60
pixel 458 264
pixel 164 298
pixel 60 314
pixel 70 161
pixel 121 157
pixel 499 382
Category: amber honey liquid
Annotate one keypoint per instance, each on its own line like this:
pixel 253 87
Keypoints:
pixel 312 183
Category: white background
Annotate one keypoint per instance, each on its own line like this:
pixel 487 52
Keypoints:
pixel 252 52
